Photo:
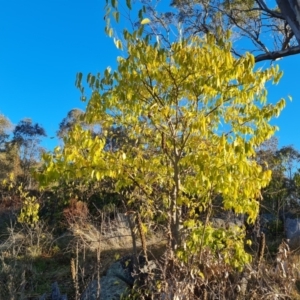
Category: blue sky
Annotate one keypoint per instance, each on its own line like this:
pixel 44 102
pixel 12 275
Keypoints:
pixel 43 44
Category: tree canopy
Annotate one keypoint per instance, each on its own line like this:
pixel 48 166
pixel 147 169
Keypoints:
pixel 194 115
pixel 270 30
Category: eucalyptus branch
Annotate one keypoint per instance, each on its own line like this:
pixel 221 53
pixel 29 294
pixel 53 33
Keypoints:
pixel 264 7
pixel 274 55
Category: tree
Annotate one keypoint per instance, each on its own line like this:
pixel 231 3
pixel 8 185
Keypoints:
pixel 269 31
pixel 73 117
pixel 115 135
pixel 196 115
pixel 6 164
pixel 9 159
pixel 27 136
pixel 281 195
pixel 288 160
pixel 5 126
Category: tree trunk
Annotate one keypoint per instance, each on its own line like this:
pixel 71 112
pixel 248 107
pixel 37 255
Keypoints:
pixel 290 10
pixel 175 208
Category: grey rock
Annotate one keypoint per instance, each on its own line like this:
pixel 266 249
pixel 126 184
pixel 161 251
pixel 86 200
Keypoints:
pixel 218 223
pixel 149 268
pixel 221 223
pixel 117 280
pixel 124 272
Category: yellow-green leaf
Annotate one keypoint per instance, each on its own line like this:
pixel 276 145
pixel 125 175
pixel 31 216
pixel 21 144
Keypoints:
pixel 145 21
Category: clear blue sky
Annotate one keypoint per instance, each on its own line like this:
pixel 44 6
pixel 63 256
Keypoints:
pixel 43 44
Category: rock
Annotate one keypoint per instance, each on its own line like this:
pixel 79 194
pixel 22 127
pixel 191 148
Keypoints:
pixel 149 268
pixel 122 270
pixel 117 280
pixel 221 223
pixel 218 223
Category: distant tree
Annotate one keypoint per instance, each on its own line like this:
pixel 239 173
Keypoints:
pixel 27 137
pixel 5 127
pixel 74 116
pixel 6 164
pixel 290 158
pixel 115 136
pixel 282 193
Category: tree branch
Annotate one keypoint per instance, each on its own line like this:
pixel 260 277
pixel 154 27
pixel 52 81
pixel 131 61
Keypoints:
pixel 263 6
pixel 278 54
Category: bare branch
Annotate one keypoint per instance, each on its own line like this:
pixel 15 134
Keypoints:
pixel 278 54
pixel 263 6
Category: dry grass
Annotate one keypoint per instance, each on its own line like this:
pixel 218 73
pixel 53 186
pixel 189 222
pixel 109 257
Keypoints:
pixel 27 262
pixel 273 278
pixel 31 260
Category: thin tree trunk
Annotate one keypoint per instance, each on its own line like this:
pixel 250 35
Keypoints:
pixel 175 208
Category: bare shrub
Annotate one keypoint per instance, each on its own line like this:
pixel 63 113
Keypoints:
pixel 27 240
pixel 213 279
pixel 23 244
pixel 13 275
pixel 76 211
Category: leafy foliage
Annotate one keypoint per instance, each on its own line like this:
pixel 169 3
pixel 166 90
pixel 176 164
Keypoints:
pixel 29 213
pixel 30 209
